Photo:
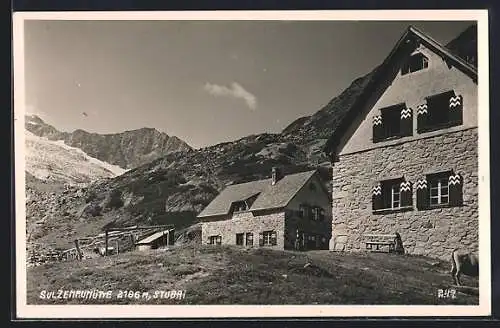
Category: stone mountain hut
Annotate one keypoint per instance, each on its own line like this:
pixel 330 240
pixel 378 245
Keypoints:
pixel 282 212
pixel 405 156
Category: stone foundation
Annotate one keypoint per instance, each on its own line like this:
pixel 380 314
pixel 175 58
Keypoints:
pixel 433 232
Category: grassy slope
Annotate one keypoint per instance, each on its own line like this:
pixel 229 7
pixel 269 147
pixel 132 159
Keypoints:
pixel 229 275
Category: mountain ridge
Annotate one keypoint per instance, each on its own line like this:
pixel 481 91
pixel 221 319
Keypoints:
pixel 127 149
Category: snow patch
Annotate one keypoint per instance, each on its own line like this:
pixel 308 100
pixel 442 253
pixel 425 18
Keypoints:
pixel 115 169
pixel 54 160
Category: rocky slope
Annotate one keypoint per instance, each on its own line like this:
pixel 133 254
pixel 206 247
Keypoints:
pixel 465 45
pixel 174 188
pixel 128 149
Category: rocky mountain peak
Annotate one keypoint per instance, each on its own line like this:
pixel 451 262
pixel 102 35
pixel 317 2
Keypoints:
pixel 128 149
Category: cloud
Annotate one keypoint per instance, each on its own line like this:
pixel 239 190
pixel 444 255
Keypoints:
pixel 235 91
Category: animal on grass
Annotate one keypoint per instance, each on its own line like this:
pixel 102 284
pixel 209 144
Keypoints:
pixel 463 262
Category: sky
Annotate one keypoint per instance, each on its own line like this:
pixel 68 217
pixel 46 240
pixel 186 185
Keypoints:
pixel 205 82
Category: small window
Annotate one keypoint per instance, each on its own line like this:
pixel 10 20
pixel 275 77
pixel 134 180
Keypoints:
pixel 318 214
pixel 215 240
pixel 415 63
pixel 393 194
pixel 239 239
pixel 240 206
pixel 304 211
pixel 249 239
pixel 438 188
pixel 269 238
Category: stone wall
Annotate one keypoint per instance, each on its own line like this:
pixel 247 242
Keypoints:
pixel 245 222
pixel 433 232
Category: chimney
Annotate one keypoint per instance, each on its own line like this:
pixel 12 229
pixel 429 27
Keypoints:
pixel 276 175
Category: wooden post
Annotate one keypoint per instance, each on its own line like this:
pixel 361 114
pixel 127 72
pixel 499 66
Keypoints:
pixel 106 244
pixel 132 236
pixel 79 252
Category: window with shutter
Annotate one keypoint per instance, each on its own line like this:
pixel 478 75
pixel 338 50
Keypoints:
pixel 391 119
pixel 444 189
pixel 406 193
pixel 377 202
pixel 455 104
pixel 378 129
pixel 422 194
pixel 438 189
pixel 261 239
pixel 441 111
pixel 393 194
pixel 422 118
pixel 406 122
pixel 455 189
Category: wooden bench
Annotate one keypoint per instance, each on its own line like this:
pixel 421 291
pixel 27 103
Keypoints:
pixel 380 243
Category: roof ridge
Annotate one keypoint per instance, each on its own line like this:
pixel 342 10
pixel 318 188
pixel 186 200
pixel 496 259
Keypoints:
pixel 310 172
pixel 286 175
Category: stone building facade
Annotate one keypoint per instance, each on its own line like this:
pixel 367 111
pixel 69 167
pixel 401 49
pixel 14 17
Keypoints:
pixel 289 212
pixel 405 160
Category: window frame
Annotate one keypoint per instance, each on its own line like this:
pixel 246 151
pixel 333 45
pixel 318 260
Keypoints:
pixel 215 240
pixel 318 214
pixel 249 234
pixel 267 237
pixel 242 235
pixel 393 194
pixel 437 181
pixel 390 198
pixel 238 205
pixel 305 211
pixel 388 193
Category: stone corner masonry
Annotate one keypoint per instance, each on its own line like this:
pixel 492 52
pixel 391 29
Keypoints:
pixel 432 232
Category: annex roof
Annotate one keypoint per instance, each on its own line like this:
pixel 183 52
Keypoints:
pixel 153 237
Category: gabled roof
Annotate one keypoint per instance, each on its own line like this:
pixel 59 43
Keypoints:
pixel 269 196
pixel 406 44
